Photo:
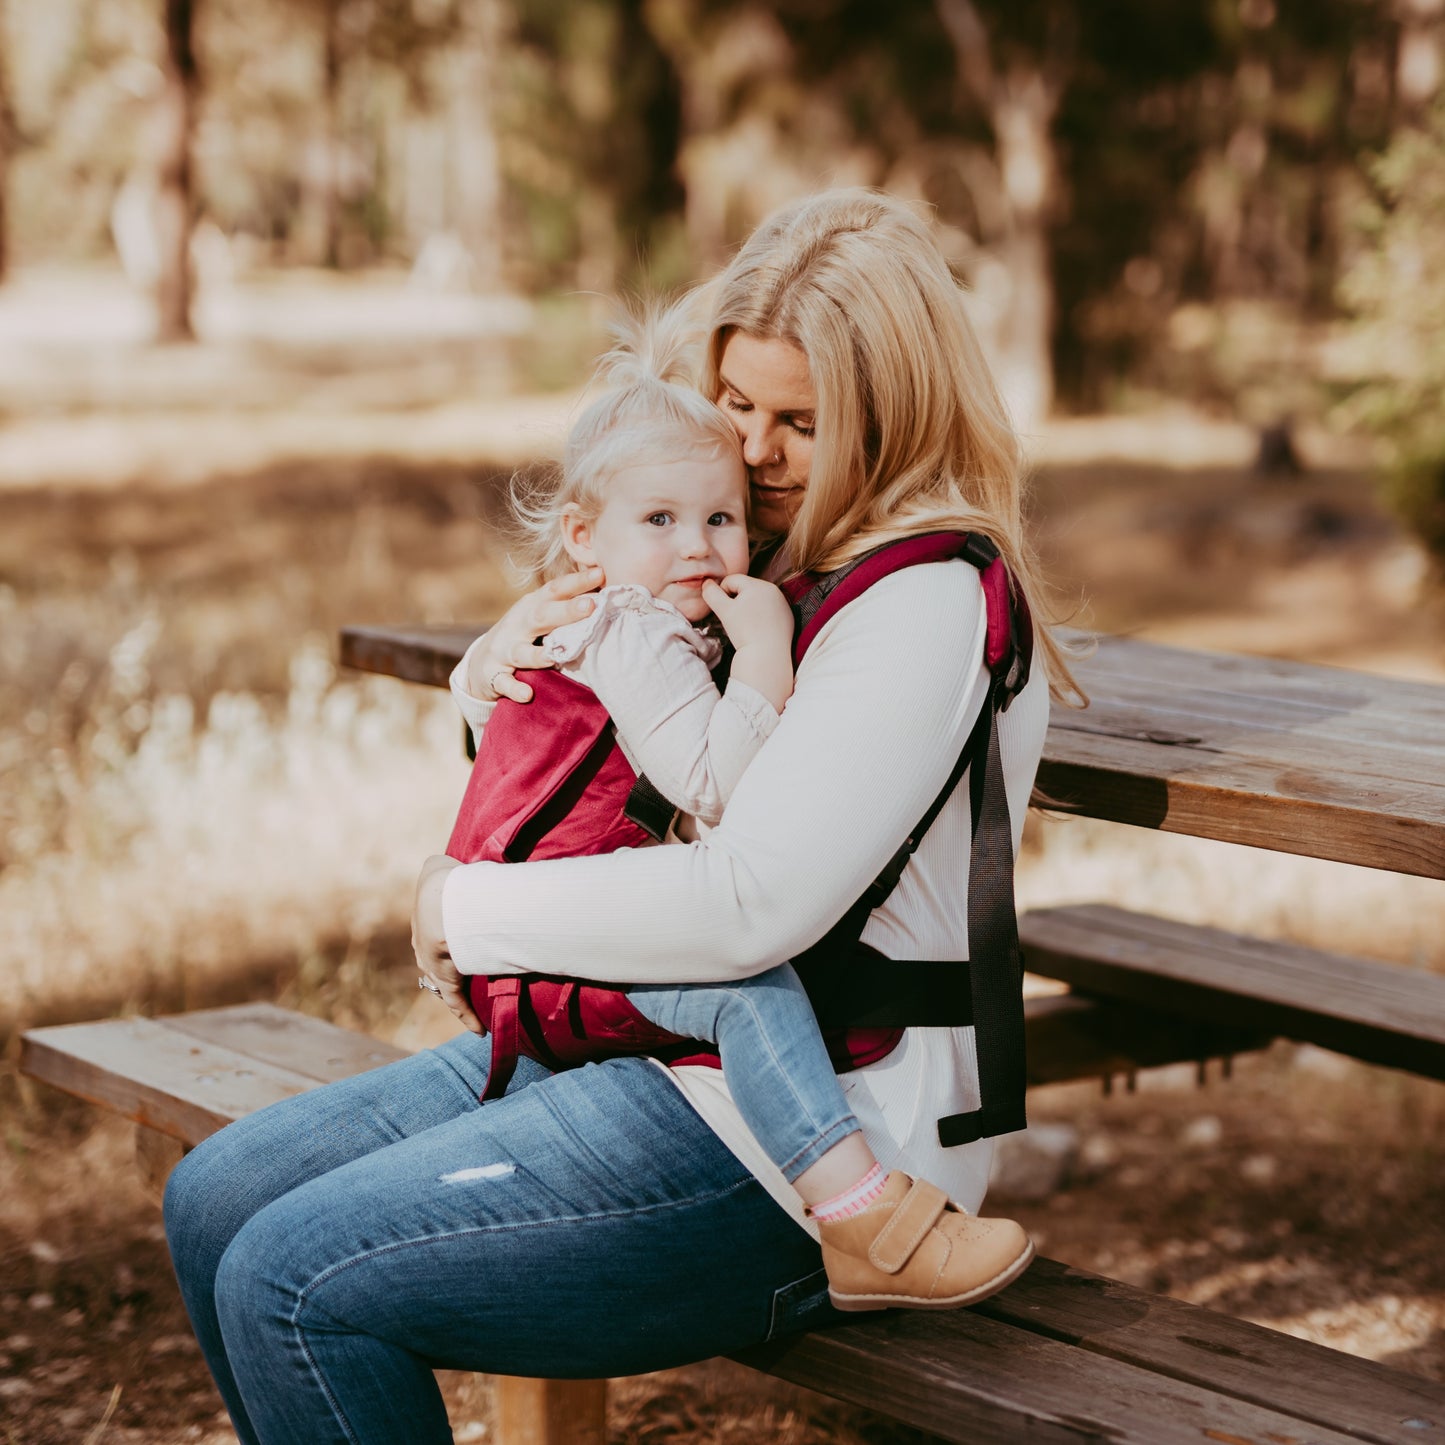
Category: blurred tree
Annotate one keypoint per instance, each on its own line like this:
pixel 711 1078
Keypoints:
pixel 355 39
pixel 1395 287
pixel 174 203
pixel 11 139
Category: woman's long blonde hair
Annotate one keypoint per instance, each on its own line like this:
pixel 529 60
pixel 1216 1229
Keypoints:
pixel 650 410
pixel 911 433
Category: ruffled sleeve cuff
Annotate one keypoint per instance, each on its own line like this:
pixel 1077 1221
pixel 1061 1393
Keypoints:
pixel 568 643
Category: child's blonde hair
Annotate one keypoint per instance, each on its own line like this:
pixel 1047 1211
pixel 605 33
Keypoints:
pixel 651 411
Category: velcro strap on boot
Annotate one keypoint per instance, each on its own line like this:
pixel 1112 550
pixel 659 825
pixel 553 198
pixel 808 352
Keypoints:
pixel 912 1219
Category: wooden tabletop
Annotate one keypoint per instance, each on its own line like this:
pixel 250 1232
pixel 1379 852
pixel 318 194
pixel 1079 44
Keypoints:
pixel 1288 756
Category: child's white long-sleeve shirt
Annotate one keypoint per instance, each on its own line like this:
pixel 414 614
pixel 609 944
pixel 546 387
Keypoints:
pixel 883 704
pixel 652 670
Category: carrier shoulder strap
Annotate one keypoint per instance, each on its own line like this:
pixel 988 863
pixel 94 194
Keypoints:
pixel 987 990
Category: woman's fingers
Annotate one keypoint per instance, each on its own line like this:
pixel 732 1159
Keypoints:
pixel 504 684
pixel 564 599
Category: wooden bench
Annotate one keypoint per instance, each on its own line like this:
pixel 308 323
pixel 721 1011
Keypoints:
pixel 1285 756
pixel 1062 1355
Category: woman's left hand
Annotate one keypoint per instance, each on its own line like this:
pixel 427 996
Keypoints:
pixel 428 941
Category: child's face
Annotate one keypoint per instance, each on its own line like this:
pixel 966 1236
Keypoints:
pixel 668 526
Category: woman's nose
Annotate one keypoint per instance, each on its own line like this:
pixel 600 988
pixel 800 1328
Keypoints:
pixel 758 445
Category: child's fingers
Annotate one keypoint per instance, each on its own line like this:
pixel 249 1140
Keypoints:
pixel 714 595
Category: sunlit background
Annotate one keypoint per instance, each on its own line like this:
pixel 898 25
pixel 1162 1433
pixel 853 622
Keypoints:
pixel 288 288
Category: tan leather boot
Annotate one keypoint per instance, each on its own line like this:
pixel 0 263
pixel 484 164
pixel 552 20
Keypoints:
pixel 915 1249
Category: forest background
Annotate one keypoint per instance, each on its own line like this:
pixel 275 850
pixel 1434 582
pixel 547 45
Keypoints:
pixel 288 288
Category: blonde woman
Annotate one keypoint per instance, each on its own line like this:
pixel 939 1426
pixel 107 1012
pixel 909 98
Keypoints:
pixel 335 1249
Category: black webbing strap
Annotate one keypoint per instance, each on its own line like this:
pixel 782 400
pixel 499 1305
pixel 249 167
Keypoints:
pixel 853 985
pixel 996 965
pixel 647 807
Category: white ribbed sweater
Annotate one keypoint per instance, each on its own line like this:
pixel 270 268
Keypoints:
pixel 883 704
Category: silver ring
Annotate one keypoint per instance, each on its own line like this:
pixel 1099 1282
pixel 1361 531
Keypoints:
pixel 492 681
pixel 430 987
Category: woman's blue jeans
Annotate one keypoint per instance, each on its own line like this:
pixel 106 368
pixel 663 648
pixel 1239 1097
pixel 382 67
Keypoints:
pixel 335 1248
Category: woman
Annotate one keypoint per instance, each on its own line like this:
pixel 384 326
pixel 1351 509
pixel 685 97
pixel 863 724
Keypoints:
pixel 334 1249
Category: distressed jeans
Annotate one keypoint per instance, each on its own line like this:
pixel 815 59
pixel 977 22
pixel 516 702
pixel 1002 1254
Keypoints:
pixel 336 1248
pixel 773 1057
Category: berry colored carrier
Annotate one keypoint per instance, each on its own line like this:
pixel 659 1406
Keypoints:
pixel 551 781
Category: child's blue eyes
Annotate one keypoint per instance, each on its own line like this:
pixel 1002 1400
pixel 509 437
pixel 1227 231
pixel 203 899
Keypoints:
pixel 663 519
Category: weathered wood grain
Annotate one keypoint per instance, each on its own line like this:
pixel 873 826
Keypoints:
pixel 312 1047
pixel 1281 755
pixel 1071 1037
pixel 1378 1012
pixel 415 654
pixel 1169 1337
pixel 550 1412
pixel 155 1075
pixel 980 1381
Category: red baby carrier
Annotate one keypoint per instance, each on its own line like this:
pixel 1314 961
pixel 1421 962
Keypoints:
pixel 551 781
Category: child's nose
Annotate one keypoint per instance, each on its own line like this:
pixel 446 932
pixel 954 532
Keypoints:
pixel 693 542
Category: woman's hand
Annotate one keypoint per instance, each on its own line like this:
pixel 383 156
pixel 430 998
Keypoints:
pixel 759 623
pixel 512 643
pixel 428 941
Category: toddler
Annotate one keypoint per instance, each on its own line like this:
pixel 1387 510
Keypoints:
pixel 653 492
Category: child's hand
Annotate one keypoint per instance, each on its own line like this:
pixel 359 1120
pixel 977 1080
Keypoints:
pixel 751 611
pixel 759 622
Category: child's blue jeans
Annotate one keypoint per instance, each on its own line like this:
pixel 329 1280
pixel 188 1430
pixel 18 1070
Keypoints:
pixel 773 1057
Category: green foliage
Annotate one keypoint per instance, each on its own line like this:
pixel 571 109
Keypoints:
pixel 1395 285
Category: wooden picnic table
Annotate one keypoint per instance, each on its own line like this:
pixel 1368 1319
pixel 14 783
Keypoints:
pixel 1285 756
pixel 1289 756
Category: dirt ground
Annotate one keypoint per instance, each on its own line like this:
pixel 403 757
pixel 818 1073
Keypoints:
pixel 1305 1192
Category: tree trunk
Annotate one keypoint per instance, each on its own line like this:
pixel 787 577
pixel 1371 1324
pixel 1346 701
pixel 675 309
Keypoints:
pixel 477 173
pixel 331 161
pixel 174 194
pixel 1020 104
pixel 1419 63
pixel 1023 111
pixel 9 143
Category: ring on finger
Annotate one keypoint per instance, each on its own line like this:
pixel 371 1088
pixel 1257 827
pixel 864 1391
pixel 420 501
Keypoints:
pixel 430 987
pixel 492 681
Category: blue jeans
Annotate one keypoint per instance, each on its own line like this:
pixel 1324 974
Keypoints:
pixel 773 1058
pixel 335 1248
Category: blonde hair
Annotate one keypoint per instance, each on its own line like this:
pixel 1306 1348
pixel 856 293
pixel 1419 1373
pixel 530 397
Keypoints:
pixel 650 411
pixel 911 433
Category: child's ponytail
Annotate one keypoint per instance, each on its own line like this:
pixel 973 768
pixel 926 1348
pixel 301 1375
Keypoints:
pixel 650 410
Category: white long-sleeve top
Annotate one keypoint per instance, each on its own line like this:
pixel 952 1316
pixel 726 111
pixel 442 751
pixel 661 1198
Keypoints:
pixel 882 706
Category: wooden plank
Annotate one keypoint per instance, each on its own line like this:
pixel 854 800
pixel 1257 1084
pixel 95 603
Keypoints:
pixel 415 654
pixel 550 1412
pixel 980 1381
pixel 1169 1337
pixel 290 1040
pixel 1293 757
pixel 1070 1037
pixel 156 1075
pixel 1378 1012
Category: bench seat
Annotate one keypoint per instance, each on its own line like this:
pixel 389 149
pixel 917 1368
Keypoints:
pixel 1378 1012
pixel 1060 1356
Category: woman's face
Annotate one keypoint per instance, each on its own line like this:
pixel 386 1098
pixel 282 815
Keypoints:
pixel 766 390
